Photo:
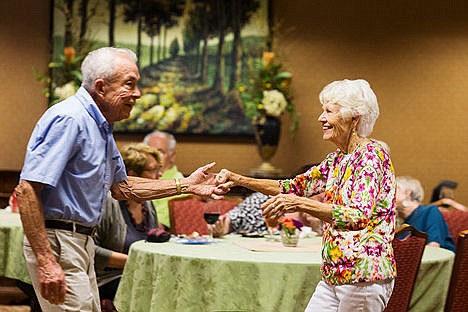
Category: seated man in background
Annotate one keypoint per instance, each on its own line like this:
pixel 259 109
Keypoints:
pixel 428 219
pixel 165 143
pixel 124 222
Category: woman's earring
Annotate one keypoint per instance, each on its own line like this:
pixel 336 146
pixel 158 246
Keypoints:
pixel 405 203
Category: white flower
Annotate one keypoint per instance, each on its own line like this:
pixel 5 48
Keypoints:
pixel 65 91
pixel 274 102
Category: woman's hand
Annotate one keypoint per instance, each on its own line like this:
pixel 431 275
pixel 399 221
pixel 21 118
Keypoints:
pixel 224 180
pixel 222 226
pixel 281 204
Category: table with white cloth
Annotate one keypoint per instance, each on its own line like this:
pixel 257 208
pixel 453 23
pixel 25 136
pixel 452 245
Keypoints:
pixel 247 274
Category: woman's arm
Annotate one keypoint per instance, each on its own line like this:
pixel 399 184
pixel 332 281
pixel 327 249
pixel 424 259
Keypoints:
pixel 282 204
pixel 227 179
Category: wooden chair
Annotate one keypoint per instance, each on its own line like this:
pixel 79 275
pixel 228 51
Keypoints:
pixel 408 247
pixel 457 221
pixel 456 297
pixel 186 214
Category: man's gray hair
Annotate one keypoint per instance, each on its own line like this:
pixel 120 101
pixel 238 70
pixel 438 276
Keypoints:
pixel 162 134
pixel 100 64
pixel 407 183
pixel 355 98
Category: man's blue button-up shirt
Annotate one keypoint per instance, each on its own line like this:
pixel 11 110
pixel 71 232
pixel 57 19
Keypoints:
pixel 73 152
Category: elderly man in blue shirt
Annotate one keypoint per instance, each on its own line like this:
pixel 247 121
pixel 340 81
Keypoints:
pixel 71 163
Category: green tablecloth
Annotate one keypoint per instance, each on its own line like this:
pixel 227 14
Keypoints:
pixel 432 283
pixel 226 277
pixel 12 263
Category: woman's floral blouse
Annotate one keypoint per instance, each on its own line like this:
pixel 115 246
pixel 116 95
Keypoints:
pixel 356 246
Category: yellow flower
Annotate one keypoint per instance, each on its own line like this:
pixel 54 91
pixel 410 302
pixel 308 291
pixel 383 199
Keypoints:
pixel 242 88
pixel 347 174
pixel 346 275
pixel 316 174
pixel 335 253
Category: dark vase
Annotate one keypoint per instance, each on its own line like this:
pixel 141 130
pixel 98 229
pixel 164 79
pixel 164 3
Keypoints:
pixel 267 134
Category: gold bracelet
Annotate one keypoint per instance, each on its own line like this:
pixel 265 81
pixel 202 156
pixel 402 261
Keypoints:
pixel 178 186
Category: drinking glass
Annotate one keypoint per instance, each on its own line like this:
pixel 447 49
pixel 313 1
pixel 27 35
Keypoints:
pixel 211 215
pixel 271 225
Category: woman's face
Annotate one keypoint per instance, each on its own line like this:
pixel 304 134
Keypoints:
pixel 335 128
pixel 153 169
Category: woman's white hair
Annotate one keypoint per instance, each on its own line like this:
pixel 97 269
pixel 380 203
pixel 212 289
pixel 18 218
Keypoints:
pixel 355 98
pixel 100 64
pixel 406 183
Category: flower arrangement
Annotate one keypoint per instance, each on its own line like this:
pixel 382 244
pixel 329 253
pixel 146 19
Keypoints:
pixel 267 92
pixel 67 76
pixel 289 225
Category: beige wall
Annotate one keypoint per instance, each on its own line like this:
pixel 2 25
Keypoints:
pixel 414 56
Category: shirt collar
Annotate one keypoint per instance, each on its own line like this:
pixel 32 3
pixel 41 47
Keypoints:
pixel 93 110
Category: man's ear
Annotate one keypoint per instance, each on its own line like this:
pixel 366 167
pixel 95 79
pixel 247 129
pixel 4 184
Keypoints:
pixel 99 86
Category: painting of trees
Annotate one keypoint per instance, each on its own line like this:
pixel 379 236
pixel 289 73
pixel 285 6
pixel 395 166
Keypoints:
pixel 192 55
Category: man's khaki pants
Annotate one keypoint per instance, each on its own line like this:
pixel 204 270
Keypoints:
pixel 75 254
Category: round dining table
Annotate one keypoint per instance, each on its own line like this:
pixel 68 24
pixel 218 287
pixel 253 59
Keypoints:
pixel 247 274
pixel 12 262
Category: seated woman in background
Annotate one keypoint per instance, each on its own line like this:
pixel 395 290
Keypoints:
pixel 426 219
pixel 247 217
pixel 124 222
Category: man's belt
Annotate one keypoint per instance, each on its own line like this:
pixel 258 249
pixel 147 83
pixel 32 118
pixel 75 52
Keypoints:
pixel 70 226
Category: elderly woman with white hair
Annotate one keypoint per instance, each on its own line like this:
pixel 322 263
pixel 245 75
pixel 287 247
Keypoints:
pixel 427 219
pixel 358 208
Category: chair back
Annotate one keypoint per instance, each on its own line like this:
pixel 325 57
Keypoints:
pixel 186 214
pixel 408 247
pixel 456 297
pixel 457 221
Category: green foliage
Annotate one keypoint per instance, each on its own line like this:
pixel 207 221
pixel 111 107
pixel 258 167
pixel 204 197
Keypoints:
pixel 267 78
pixel 65 70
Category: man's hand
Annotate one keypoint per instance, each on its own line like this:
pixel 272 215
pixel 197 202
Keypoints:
pixel 202 182
pixel 50 274
pixel 52 283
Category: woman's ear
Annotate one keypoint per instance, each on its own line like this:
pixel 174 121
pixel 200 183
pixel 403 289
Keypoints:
pixel 355 121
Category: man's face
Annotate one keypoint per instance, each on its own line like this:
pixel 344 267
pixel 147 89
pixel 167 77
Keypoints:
pixel 162 145
pixel 117 96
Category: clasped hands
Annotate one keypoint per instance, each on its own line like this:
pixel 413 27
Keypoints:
pixel 275 207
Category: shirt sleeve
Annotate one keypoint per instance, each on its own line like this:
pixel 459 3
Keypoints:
pixel 436 227
pixel 50 147
pixel 120 172
pixel 247 216
pixel 311 182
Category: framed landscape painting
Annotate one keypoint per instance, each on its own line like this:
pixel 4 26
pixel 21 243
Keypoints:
pixel 192 56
